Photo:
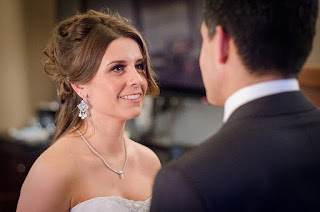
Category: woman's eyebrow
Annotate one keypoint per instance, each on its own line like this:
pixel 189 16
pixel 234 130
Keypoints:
pixel 141 60
pixel 116 61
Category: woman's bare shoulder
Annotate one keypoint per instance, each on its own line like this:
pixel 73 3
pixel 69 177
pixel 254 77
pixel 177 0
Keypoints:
pixel 47 186
pixel 145 155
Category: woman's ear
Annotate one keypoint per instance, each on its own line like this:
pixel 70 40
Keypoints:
pixel 223 44
pixel 79 89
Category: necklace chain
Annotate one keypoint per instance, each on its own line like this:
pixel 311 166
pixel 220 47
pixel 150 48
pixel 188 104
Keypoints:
pixel 120 172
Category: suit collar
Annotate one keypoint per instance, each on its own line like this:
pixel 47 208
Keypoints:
pixel 282 103
pixel 256 91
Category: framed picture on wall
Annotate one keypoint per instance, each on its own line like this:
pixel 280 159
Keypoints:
pixel 168 28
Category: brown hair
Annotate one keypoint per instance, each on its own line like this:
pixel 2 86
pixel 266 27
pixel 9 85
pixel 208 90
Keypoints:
pixel 74 55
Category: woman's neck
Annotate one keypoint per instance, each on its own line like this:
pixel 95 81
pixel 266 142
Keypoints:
pixel 105 135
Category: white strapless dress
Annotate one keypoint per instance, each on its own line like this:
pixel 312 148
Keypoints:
pixel 112 203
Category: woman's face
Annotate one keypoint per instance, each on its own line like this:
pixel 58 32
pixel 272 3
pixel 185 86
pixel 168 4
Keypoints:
pixel 119 86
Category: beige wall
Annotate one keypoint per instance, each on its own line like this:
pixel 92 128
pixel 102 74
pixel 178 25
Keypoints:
pixel 314 58
pixel 39 19
pixel 25 27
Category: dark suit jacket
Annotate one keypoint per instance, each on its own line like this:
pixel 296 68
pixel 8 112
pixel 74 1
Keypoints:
pixel 266 157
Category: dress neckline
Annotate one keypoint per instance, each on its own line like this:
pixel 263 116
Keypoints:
pixel 111 198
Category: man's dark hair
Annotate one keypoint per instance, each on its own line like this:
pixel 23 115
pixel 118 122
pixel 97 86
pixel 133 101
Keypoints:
pixel 270 35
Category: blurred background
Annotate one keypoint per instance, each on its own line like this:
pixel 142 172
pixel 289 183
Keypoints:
pixel 178 120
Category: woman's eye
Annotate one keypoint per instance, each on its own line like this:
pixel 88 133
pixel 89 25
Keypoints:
pixel 118 68
pixel 140 67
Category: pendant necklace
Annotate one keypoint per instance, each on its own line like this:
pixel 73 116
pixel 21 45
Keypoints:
pixel 120 172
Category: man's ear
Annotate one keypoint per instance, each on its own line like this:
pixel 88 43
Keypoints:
pixel 223 44
pixel 79 89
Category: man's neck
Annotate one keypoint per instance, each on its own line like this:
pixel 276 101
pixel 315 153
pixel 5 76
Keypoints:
pixel 244 78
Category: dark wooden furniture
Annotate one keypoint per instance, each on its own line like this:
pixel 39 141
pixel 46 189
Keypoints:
pixel 16 159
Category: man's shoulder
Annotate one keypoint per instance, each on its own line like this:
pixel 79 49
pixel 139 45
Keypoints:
pixel 210 160
pixel 231 145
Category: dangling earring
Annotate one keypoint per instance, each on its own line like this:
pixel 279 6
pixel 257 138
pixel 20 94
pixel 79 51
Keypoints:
pixel 83 107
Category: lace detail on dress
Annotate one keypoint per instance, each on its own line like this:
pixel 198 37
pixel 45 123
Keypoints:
pixel 112 203
pixel 133 205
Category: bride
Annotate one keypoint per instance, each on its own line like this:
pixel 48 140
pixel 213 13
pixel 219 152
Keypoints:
pixel 102 68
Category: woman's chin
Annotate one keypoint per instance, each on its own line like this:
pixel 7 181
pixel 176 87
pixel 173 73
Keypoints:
pixel 134 115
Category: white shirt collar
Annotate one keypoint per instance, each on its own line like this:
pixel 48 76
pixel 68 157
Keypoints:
pixel 252 92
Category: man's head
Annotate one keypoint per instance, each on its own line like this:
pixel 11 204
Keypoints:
pixel 269 34
pixel 269 37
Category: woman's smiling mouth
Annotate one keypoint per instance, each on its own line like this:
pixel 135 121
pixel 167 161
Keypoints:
pixel 134 96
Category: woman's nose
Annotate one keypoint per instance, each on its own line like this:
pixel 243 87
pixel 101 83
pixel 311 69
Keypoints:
pixel 135 78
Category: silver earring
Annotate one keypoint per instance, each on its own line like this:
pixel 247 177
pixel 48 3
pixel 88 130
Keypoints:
pixel 83 107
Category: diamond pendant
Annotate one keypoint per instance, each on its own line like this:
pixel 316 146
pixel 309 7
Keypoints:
pixel 121 174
